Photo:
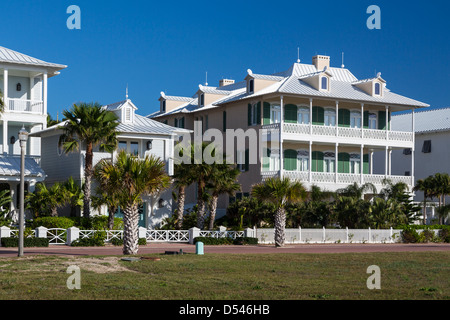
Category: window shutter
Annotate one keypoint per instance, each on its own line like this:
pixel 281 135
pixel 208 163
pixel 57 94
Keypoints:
pixel 426 148
pixel 366 164
pixel 382 120
pixel 366 120
pixel 290 160
pixel 318 116
pixel 247 160
pixel 343 162
pixel 344 118
pixel 182 123
pixel 249 115
pixel 317 161
pixel 258 113
pixel 266 113
pixel 290 113
pixel 175 123
pixel 224 121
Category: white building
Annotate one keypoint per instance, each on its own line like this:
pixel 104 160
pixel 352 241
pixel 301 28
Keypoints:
pixel 24 84
pixel 139 135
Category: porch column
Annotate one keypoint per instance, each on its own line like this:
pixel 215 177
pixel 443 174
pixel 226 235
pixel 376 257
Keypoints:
pixel 310 115
pixel 386 162
pixel 390 162
pixel 371 161
pixel 387 122
pixel 310 162
pixel 413 146
pixel 337 120
pixel 336 159
pixel 45 97
pixel 5 137
pixel 281 137
pixel 362 120
pixel 5 88
pixel 361 164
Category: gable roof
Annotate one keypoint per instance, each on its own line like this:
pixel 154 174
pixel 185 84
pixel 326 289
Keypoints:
pixel 427 121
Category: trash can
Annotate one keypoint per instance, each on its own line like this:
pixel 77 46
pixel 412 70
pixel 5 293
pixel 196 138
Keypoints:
pixel 199 247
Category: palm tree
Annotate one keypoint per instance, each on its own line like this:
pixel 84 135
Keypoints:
pixel 2 104
pixel 134 178
pixel 280 192
pixel 46 201
pixel 441 187
pixel 356 191
pixel 183 178
pixel 426 186
pixel 89 125
pixel 223 179
pixel 74 194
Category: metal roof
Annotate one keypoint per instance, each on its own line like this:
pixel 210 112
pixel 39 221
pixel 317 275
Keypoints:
pixel 11 56
pixel 434 120
pixel 145 125
pixel 10 167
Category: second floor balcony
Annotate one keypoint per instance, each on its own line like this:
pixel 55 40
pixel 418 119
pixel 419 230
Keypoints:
pixel 24 106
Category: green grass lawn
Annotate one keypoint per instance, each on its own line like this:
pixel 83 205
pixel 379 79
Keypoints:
pixel 418 276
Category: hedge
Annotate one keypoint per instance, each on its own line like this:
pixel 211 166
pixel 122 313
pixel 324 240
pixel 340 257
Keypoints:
pixel 27 242
pixel 411 234
pixel 222 241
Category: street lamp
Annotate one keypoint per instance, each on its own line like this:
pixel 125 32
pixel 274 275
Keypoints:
pixel 23 137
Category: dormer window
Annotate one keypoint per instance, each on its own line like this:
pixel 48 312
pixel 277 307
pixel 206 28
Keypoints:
pixel 251 86
pixel 202 100
pixel 128 114
pixel 377 89
pixel 324 83
pixel 163 106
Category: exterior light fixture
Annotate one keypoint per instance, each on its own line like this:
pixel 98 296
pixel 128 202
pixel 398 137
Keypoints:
pixel 19 87
pixel 149 144
pixel 12 140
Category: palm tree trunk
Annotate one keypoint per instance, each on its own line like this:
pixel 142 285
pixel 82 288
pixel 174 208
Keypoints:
pixel 180 207
pixel 111 212
pixel 130 231
pixel 280 225
pixel 88 172
pixel 201 207
pixel 212 218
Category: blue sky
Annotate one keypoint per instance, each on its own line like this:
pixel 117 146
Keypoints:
pixel 170 45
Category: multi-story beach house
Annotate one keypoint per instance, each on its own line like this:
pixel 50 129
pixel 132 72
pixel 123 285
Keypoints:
pixel 24 87
pixel 315 123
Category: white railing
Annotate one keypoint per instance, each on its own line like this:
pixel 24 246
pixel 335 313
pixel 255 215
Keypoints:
pixel 349 132
pixel 27 106
pixel 296 128
pixel 323 130
pixel 269 174
pixel 167 235
pixel 374 134
pixel 349 178
pixel 400 136
pixel 374 178
pixel 323 177
pixel 56 235
pixel 221 234
pixel 297 175
pixel 323 235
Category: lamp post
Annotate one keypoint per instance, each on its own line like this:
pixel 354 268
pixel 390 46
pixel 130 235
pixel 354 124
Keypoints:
pixel 23 137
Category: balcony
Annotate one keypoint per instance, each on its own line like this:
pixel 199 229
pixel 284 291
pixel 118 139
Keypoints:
pixel 24 106
pixel 294 131
pixel 333 181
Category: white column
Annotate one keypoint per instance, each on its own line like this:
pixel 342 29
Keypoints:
pixel 361 164
pixel 387 124
pixel 337 120
pixel 5 88
pixel 336 161
pixel 281 136
pixel 45 96
pixel 362 120
pixel 371 161
pixel 5 137
pixel 310 115
pixel 310 162
pixel 31 88
pixel 413 147
pixel 390 162
pixel 386 163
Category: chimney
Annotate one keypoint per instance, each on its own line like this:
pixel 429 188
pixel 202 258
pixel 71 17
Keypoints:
pixel 320 62
pixel 225 82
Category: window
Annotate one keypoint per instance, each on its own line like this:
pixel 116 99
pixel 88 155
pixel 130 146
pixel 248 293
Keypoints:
pixel 324 83
pixel 274 160
pixel 134 149
pixel 373 121
pixel 202 100
pixel 123 145
pixel 163 106
pixel 302 160
pixel 355 119
pixel 254 114
pixel 330 117
pixel 407 173
pixel 303 115
pixel 127 114
pixel 329 161
pixel 377 89
pixel 407 151
pixel 355 163
pixel 426 148
pixel 251 86
pixel 275 114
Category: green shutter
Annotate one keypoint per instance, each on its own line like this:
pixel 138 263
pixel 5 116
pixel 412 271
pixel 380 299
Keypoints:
pixel 224 121
pixel 249 115
pixel 343 162
pixel 175 123
pixel 344 118
pixel 258 113
pixel 266 113
pixel 182 123
pixel 266 159
pixel 318 116
pixel 290 160
pixel 389 120
pixel 247 160
pixel 366 164
pixel 382 120
pixel 290 113
pixel 366 120
pixel 317 161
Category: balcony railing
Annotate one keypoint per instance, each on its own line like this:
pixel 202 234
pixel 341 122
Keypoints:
pixel 343 132
pixel 342 178
pixel 26 106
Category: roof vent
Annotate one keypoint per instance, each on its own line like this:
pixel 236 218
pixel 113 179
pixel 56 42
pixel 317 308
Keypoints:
pixel 225 82
pixel 320 62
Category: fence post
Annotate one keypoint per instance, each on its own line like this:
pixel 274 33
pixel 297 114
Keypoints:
pixel 72 235
pixel 370 235
pixel 5 232
pixel 193 233
pixel 300 234
pixel 249 233
pixel 324 234
pixel 41 232
pixel 142 233
pixel 222 231
pixel 390 234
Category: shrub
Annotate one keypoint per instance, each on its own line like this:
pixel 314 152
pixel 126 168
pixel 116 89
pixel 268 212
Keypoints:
pixel 226 241
pixel 119 242
pixel 428 236
pixel 410 235
pixel 444 235
pixel 53 222
pixel 27 242
pixel 97 240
